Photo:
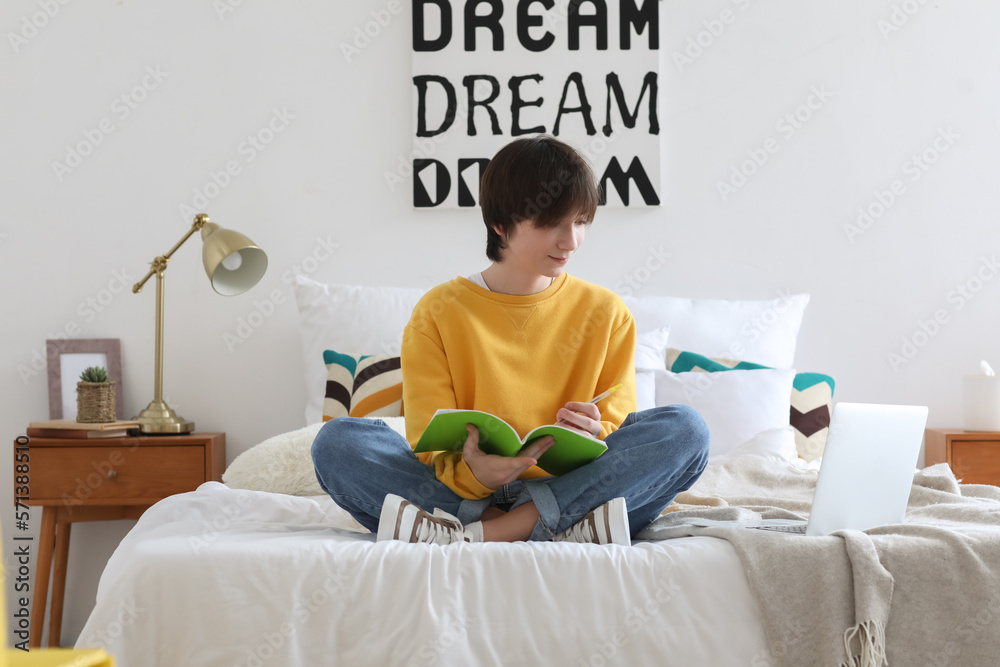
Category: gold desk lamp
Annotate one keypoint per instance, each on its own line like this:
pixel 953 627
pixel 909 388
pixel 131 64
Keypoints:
pixel 234 265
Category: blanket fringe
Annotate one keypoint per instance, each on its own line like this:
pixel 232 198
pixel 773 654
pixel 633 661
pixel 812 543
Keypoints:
pixel 871 635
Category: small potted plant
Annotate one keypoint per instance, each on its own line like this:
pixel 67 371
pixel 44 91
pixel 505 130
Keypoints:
pixel 95 397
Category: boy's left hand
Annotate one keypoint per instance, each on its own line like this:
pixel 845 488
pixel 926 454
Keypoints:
pixel 589 422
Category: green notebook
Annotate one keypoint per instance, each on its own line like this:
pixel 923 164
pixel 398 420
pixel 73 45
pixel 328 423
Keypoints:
pixel 446 432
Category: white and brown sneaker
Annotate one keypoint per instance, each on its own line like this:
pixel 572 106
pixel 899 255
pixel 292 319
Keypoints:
pixel 607 524
pixel 402 520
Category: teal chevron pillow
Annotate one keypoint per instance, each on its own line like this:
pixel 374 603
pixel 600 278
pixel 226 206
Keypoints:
pixel 811 400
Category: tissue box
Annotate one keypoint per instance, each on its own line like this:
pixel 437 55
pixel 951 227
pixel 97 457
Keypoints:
pixel 981 402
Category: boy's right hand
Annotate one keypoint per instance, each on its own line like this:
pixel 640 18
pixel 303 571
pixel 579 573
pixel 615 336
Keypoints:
pixel 494 471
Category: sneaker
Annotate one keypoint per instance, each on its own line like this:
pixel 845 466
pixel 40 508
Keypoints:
pixel 607 524
pixel 402 520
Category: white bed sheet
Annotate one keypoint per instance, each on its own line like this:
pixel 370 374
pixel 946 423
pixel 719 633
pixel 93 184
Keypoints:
pixel 230 577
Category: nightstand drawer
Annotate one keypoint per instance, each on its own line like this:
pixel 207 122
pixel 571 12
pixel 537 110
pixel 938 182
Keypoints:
pixel 976 461
pixel 114 475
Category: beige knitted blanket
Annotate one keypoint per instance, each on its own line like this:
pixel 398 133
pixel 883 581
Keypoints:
pixel 926 592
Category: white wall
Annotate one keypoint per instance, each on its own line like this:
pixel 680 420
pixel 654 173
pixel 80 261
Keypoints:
pixel 323 178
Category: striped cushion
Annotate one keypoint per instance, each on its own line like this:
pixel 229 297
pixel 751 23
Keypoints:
pixel 366 386
pixel 811 400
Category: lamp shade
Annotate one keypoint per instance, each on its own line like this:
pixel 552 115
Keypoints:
pixel 232 261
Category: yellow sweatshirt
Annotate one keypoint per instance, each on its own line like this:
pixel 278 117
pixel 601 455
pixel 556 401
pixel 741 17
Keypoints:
pixel 518 357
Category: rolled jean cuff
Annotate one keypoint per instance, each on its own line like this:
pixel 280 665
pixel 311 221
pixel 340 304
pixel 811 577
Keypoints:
pixel 470 510
pixel 548 510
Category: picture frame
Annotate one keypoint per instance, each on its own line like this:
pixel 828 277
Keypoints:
pixel 68 358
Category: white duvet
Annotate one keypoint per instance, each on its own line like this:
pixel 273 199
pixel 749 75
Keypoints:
pixel 231 577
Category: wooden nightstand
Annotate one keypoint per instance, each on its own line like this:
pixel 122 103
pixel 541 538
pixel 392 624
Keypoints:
pixel 974 456
pixel 101 479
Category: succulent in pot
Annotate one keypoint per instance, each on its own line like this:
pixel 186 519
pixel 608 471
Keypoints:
pixel 95 397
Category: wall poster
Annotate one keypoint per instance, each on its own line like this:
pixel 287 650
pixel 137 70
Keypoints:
pixel 486 72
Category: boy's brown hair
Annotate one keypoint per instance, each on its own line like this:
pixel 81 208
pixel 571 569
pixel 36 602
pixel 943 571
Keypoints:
pixel 539 179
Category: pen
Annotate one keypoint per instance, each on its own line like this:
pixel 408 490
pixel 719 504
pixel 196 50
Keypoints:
pixel 600 397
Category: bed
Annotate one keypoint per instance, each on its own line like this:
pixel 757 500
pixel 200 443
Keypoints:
pixel 264 570
pixel 295 581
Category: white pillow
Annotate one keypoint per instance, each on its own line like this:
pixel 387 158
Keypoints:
pixel 283 464
pixel 651 349
pixel 774 443
pixel 650 356
pixel 763 332
pixel 736 405
pixel 349 319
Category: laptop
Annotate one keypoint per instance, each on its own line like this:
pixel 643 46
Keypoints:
pixel 867 469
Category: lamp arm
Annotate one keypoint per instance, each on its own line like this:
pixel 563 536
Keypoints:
pixel 159 264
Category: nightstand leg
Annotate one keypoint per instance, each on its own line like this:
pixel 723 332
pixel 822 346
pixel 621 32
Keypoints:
pixel 59 583
pixel 43 568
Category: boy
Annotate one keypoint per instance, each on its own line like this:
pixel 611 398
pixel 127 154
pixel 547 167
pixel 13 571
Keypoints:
pixel 527 342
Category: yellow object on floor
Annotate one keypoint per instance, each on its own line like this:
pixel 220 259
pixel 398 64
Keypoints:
pixel 57 657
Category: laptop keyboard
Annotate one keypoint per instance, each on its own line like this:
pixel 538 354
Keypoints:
pixel 798 529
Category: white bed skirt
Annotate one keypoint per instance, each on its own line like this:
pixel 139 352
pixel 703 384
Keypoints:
pixel 244 578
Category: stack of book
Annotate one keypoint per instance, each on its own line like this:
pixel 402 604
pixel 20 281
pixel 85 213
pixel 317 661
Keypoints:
pixel 70 428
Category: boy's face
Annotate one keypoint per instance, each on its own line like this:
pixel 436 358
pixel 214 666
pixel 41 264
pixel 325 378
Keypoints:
pixel 544 251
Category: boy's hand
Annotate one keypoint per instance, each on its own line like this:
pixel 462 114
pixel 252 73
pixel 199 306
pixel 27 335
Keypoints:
pixel 494 471
pixel 589 422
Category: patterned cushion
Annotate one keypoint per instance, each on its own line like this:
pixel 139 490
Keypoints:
pixel 370 385
pixel 811 400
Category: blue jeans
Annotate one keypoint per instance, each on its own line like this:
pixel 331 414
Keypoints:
pixel 653 456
